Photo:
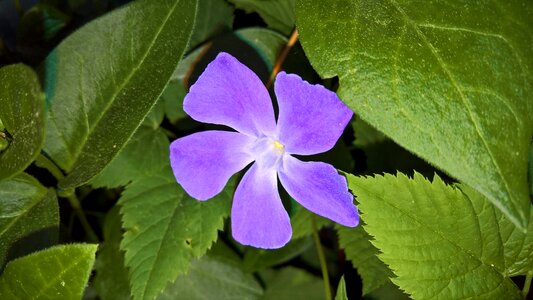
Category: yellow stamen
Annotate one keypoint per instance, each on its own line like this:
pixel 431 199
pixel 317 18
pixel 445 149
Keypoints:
pixel 278 145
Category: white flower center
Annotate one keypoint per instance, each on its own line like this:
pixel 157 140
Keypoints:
pixel 268 152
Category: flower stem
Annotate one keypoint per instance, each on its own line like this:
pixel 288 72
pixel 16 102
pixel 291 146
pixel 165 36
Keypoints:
pixel 527 284
pixel 75 203
pixel 282 56
pixel 322 258
pixel 43 162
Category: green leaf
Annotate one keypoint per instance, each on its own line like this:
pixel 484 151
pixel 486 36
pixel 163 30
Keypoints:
pixel 365 134
pixel 386 292
pixel 437 241
pixel 364 256
pixel 301 222
pixel 146 153
pixel 256 259
pixel 102 80
pixel 22 105
pixel 278 14
pixel 166 230
pixel 267 43
pixel 214 277
pixel 517 245
pixel 60 272
pixel 341 290
pixel 292 283
pixel 29 217
pixel 111 280
pixel 449 81
pixel 214 17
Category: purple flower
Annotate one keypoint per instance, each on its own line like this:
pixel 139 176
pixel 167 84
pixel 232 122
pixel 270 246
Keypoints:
pixel 311 119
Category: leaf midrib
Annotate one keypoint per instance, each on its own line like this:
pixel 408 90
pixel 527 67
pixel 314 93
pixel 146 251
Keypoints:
pixel 465 101
pixel 122 85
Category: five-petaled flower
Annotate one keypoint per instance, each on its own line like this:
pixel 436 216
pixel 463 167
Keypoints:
pixel 311 119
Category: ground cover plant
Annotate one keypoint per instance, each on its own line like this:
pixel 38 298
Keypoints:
pixel 266 149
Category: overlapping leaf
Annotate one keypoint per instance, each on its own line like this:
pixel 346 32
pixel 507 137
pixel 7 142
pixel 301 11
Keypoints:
pixel 364 256
pixel 439 242
pixel 56 273
pixel 278 14
pixel 29 217
pixel 103 79
pixel 22 118
pixel 160 248
pixel 450 81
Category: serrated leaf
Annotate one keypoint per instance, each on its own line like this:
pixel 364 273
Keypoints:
pixel 102 80
pixel 292 283
pixel 450 81
pixel 29 217
pixel 517 245
pixel 437 241
pixel 60 272
pixel 111 280
pixel 146 153
pixel 363 255
pixel 341 290
pixel 22 117
pixel 256 259
pixel 166 230
pixel 214 277
pixel 278 14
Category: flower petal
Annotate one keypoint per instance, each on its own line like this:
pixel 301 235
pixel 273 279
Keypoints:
pixel 228 93
pixel 203 162
pixel 258 218
pixel 318 187
pixel 311 118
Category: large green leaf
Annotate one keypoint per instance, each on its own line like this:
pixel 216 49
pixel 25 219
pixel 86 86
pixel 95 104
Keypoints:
pixel 364 256
pixel 56 273
pixel 449 80
pixel 146 153
pixel 294 284
pixel 21 113
pixel 165 230
pixel 29 217
pixel 102 81
pixel 111 280
pixel 439 242
pixel 278 14
pixel 217 275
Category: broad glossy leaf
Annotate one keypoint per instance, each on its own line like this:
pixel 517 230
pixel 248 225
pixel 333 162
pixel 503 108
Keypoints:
pixel 111 280
pixel 60 272
pixel 449 80
pixel 278 14
pixel 166 230
pixel 146 153
pixel 364 256
pixel 21 112
pixel 267 43
pixel 214 277
pixel 292 283
pixel 102 80
pixel 341 290
pixel 437 241
pixel 29 217
pixel 214 16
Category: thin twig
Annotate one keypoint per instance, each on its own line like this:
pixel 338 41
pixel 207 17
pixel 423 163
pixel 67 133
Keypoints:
pixel 322 258
pixel 282 56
